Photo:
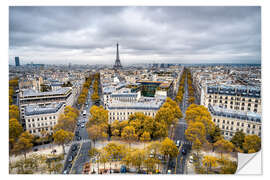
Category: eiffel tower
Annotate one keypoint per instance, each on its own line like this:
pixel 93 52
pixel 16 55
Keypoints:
pixel 117 64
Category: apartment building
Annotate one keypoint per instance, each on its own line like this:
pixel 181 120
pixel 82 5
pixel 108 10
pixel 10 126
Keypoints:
pixel 231 121
pixel 121 110
pixel 42 99
pixel 242 98
pixel 44 118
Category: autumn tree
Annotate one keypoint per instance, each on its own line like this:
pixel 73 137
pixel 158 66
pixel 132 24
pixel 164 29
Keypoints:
pixel 145 137
pixel 96 132
pixel 196 131
pixel 129 134
pixel 15 130
pixel 62 137
pixel 223 146
pixel 14 112
pixel 138 157
pixel 252 143
pixel 65 122
pixel 168 148
pixel 238 139
pixel 98 116
pixel 209 162
pixel 24 144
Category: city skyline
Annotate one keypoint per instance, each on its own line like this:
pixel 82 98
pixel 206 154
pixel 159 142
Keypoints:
pixel 184 35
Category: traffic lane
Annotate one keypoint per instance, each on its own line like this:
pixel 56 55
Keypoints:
pixel 72 152
pixel 82 158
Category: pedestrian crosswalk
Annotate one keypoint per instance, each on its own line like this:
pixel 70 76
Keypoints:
pixel 81 141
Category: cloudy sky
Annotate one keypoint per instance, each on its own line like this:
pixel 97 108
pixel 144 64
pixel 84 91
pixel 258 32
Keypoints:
pixel 88 35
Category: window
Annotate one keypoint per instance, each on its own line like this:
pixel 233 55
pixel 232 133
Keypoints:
pixel 224 121
pixel 29 125
pixel 231 102
pixel 249 100
pixel 243 99
pixel 232 122
pixel 45 118
pixel 227 127
pixel 238 123
pixel 28 120
pixel 256 105
pixel 242 124
pixel 220 101
pixel 243 104
pixel 228 122
pixel 214 120
pixel 223 126
pixel 218 120
pixel 41 118
pixel 249 104
pixel 34 131
pixel 254 126
pixel 242 108
pixel 231 128
pixel 37 119
pixel 248 125
pixel 33 120
pixel 255 110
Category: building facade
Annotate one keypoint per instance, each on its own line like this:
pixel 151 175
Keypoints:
pixel 242 98
pixel 122 110
pixel 39 119
pixel 231 121
pixel 42 99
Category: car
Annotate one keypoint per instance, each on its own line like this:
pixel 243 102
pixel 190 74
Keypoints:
pixel 82 125
pixel 70 158
pixel 184 152
pixel 35 149
pixel 69 165
pixel 178 143
pixel 77 133
pixel 65 171
pixel 74 148
pixel 78 123
pixel 78 138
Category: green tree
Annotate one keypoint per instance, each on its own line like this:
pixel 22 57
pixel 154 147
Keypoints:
pixel 62 137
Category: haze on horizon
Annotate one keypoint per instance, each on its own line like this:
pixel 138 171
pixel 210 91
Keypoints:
pixel 88 35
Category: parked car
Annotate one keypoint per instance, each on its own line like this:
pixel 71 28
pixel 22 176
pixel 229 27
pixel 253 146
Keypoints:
pixel 35 149
pixel 74 148
pixel 70 158
pixel 70 165
pixel 65 171
pixel 82 125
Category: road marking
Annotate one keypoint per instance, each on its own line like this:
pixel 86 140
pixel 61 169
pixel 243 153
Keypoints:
pixel 177 157
pixel 74 160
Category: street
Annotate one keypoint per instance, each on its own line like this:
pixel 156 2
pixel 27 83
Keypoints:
pixel 177 165
pixel 78 156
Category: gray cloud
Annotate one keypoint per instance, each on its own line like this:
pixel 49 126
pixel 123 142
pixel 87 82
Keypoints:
pixel 146 34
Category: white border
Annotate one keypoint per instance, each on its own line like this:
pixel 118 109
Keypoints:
pixel 4 73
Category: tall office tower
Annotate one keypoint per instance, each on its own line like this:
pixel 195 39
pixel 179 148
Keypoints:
pixel 117 64
pixel 17 61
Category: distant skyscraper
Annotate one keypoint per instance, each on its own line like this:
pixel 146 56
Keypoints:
pixel 17 61
pixel 117 64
